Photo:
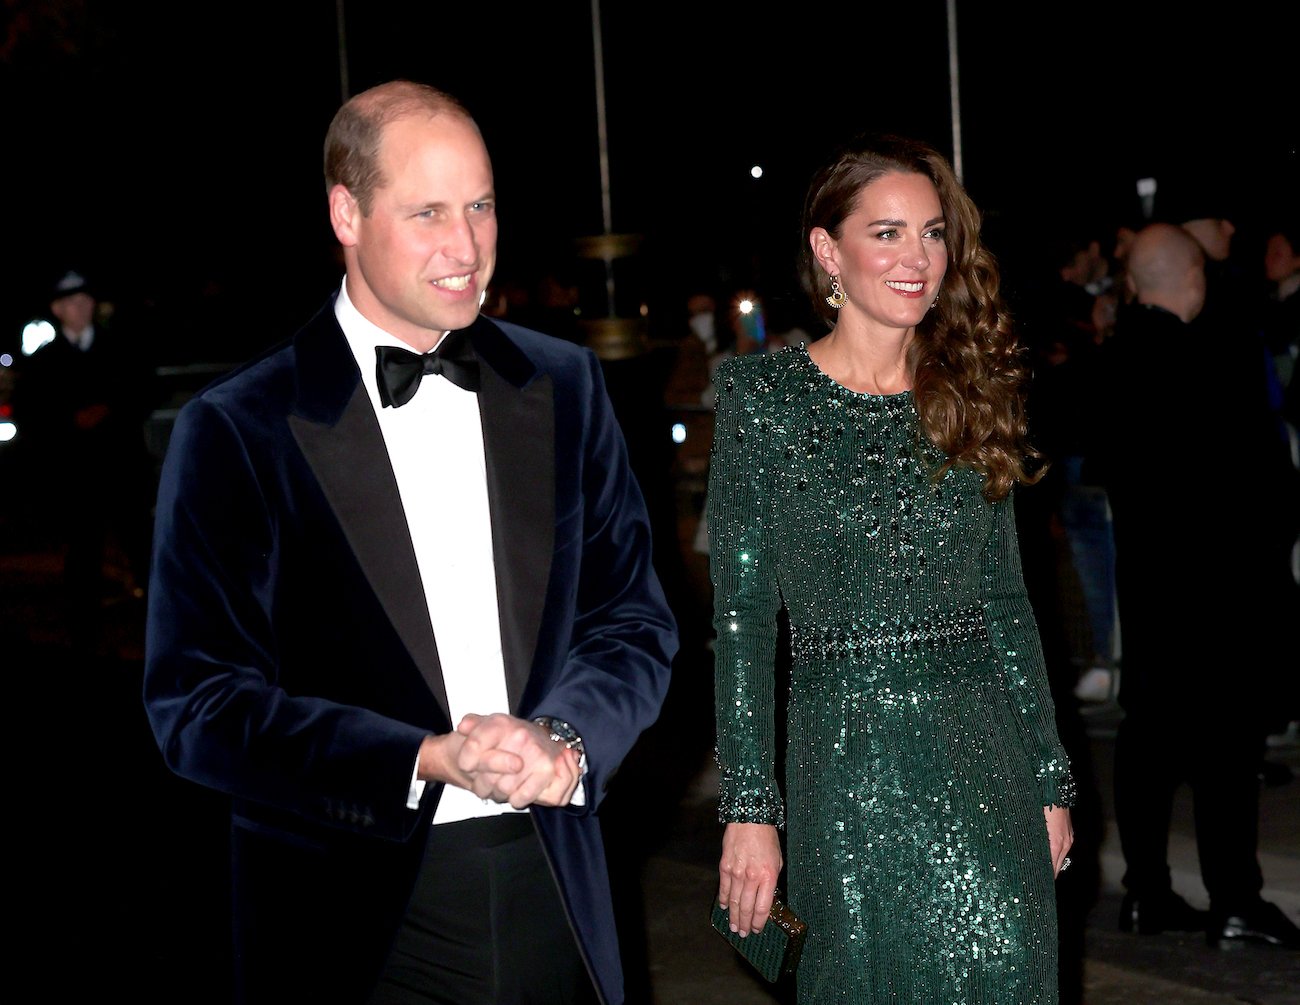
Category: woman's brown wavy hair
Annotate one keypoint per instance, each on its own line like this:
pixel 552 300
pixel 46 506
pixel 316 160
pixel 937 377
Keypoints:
pixel 968 373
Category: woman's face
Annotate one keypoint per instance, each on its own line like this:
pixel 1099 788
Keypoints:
pixel 891 255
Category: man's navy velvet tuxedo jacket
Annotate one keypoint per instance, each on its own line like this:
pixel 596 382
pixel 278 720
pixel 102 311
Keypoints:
pixel 291 662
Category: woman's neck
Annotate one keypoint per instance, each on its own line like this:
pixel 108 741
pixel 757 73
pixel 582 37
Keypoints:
pixel 869 361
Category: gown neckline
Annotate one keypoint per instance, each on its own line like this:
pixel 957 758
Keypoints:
pixel 827 378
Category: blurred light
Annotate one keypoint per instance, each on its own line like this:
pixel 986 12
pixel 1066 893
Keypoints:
pixel 750 311
pixel 679 432
pixel 35 335
pixel 756 172
pixel 7 431
pixel 6 359
pixel 645 310
pixel 1146 189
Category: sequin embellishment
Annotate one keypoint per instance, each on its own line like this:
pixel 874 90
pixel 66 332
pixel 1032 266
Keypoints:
pixel 920 738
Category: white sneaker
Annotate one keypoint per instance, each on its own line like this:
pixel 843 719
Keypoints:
pixel 1095 686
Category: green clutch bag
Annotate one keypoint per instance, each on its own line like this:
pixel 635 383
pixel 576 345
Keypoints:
pixel 773 952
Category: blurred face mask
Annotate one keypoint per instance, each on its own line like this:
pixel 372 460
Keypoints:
pixel 702 326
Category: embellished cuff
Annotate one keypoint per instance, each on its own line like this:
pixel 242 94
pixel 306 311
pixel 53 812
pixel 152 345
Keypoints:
pixel 1059 787
pixel 752 804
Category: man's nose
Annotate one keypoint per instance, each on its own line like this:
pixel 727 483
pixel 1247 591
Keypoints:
pixel 461 243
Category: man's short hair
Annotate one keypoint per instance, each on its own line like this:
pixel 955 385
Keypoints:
pixel 354 136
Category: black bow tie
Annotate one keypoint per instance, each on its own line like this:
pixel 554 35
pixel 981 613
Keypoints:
pixel 399 371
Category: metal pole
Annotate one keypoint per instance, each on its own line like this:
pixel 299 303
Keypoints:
pixel 603 137
pixel 954 88
pixel 343 48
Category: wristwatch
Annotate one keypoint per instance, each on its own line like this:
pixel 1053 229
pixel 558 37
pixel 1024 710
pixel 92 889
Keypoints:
pixel 562 732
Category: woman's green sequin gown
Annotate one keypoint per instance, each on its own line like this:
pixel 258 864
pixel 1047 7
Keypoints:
pixel 922 743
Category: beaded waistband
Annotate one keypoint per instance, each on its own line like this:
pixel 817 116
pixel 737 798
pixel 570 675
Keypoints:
pixel 861 639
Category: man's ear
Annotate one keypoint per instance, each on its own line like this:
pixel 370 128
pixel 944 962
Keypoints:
pixel 825 250
pixel 345 214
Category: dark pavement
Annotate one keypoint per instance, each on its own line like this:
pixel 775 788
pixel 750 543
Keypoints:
pixel 119 872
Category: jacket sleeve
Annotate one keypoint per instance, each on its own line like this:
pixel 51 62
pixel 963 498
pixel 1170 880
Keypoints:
pixel 211 681
pixel 615 670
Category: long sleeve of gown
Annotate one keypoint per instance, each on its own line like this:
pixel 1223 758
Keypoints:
pixel 1013 633
pixel 746 601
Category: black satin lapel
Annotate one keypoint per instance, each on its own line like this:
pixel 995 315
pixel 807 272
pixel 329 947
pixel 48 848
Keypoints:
pixel 519 448
pixel 351 463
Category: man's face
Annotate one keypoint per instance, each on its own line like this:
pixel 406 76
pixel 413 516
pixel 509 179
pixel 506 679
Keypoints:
pixel 419 262
pixel 1280 259
pixel 74 312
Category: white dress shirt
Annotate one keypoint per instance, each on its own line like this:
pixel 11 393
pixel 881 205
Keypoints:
pixel 435 445
pixel 83 339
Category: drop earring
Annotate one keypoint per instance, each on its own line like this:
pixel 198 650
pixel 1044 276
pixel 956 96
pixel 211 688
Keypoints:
pixel 837 299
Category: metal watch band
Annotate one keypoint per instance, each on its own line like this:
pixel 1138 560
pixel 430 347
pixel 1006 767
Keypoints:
pixel 561 732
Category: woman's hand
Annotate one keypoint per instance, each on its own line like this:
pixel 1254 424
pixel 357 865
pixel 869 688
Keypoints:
pixel 1060 835
pixel 751 863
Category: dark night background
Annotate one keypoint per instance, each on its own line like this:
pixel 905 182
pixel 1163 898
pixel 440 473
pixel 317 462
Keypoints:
pixel 174 150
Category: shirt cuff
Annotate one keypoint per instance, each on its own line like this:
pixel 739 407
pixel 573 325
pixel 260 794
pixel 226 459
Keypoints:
pixel 579 797
pixel 416 791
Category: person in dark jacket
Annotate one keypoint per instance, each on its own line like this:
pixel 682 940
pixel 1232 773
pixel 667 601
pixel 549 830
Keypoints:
pixel 405 613
pixel 1193 475
pixel 80 404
